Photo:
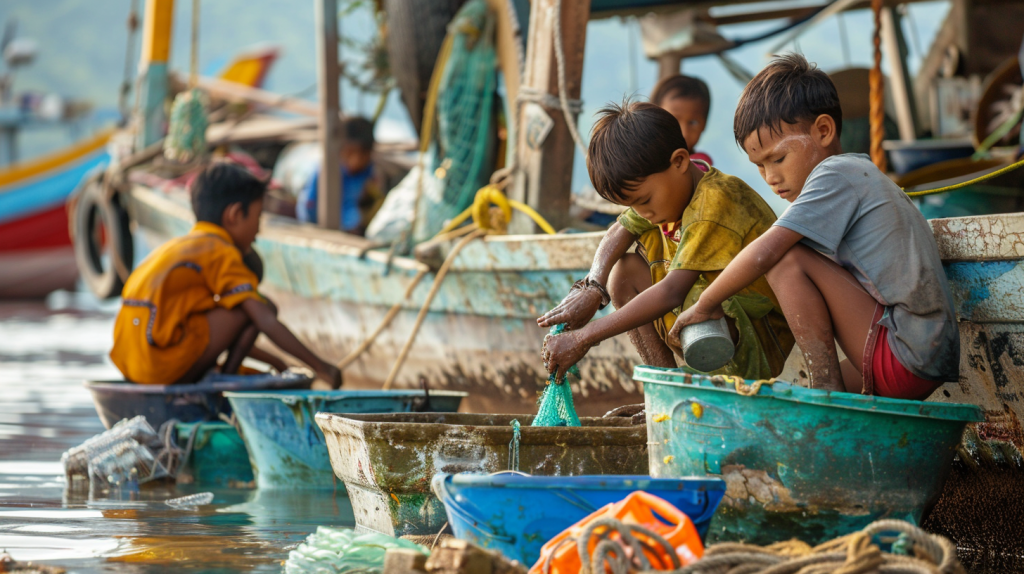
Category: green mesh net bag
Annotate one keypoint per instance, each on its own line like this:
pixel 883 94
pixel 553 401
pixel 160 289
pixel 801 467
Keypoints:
pixel 186 129
pixel 556 408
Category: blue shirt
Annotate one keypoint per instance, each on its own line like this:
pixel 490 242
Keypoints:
pixel 352 186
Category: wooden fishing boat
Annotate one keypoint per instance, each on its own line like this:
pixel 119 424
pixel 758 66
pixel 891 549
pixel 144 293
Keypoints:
pixel 36 254
pixel 480 334
pixel 285 445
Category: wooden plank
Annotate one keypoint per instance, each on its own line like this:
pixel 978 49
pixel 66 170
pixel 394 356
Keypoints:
pixel 508 48
pixel 228 90
pixel 899 82
pixel 546 171
pixel 980 238
pixel 157 31
pixel 329 200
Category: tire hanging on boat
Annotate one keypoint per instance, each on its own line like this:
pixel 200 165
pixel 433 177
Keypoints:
pixel 103 240
pixel 416 30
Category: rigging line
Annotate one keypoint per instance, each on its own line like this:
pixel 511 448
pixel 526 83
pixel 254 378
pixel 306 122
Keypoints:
pixel 631 25
pixel 844 39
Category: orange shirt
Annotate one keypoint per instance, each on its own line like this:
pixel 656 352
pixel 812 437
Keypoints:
pixel 161 329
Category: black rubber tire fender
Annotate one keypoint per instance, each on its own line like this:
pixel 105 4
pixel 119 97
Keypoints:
pixel 416 30
pixel 92 210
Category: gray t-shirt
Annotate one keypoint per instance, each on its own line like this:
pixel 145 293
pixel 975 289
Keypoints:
pixel 853 214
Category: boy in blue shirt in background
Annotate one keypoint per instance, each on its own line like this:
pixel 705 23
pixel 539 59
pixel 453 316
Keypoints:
pixel 361 189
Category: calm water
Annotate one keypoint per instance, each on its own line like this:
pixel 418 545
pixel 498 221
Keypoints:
pixel 46 351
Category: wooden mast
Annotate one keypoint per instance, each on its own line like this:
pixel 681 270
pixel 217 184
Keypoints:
pixel 546 165
pixel 329 192
pixel 156 50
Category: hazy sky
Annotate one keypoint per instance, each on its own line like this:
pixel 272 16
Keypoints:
pixel 83 45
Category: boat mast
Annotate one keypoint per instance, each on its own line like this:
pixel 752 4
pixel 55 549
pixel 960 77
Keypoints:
pixel 329 193
pixel 156 49
pixel 544 182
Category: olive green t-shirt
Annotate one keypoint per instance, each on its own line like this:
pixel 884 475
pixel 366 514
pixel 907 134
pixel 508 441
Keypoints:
pixel 724 216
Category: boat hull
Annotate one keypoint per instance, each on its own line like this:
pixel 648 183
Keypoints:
pixel 36 256
pixel 480 335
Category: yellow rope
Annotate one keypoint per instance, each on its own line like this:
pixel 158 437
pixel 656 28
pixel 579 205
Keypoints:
pixel 480 212
pixel 743 388
pixel 426 305
pixel 392 313
pixel 968 183
pixel 851 554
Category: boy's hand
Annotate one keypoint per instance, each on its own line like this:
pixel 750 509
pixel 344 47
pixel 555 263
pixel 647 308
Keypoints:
pixel 695 314
pixel 563 351
pixel 331 375
pixel 577 309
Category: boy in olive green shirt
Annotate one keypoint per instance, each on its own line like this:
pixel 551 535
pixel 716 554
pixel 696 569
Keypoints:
pixel 688 225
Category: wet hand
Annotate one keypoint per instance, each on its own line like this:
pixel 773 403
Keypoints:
pixel 563 351
pixel 577 309
pixel 691 316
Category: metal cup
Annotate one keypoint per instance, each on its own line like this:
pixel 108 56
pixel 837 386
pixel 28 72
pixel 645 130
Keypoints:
pixel 707 346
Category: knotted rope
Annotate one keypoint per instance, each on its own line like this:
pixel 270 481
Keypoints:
pixel 171 456
pixel 852 554
pixel 622 554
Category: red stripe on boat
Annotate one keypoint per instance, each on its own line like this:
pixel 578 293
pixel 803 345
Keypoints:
pixel 39 230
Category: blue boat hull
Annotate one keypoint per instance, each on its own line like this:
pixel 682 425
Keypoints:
pixel 287 448
pixel 517 514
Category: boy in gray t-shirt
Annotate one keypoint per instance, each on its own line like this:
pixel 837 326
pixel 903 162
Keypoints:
pixel 851 260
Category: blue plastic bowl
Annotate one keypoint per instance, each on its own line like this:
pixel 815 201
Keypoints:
pixel 517 514
pixel 905 157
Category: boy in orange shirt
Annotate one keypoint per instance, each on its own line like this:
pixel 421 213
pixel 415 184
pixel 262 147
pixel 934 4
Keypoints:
pixel 194 298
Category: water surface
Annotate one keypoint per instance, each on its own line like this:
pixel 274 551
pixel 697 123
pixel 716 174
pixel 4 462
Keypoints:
pixel 46 351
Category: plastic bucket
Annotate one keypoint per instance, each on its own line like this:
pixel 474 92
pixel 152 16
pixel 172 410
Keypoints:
pixel 517 514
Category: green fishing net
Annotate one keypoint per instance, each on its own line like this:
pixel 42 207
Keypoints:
pixel 556 408
pixel 466 131
pixel 331 550
pixel 186 131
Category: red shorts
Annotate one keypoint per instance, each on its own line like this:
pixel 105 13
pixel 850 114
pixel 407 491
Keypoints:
pixel 883 374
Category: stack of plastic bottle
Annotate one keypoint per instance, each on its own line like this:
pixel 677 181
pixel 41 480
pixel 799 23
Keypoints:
pixel 123 456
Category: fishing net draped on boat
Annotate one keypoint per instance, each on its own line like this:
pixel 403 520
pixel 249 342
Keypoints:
pixel 556 407
pixel 466 131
